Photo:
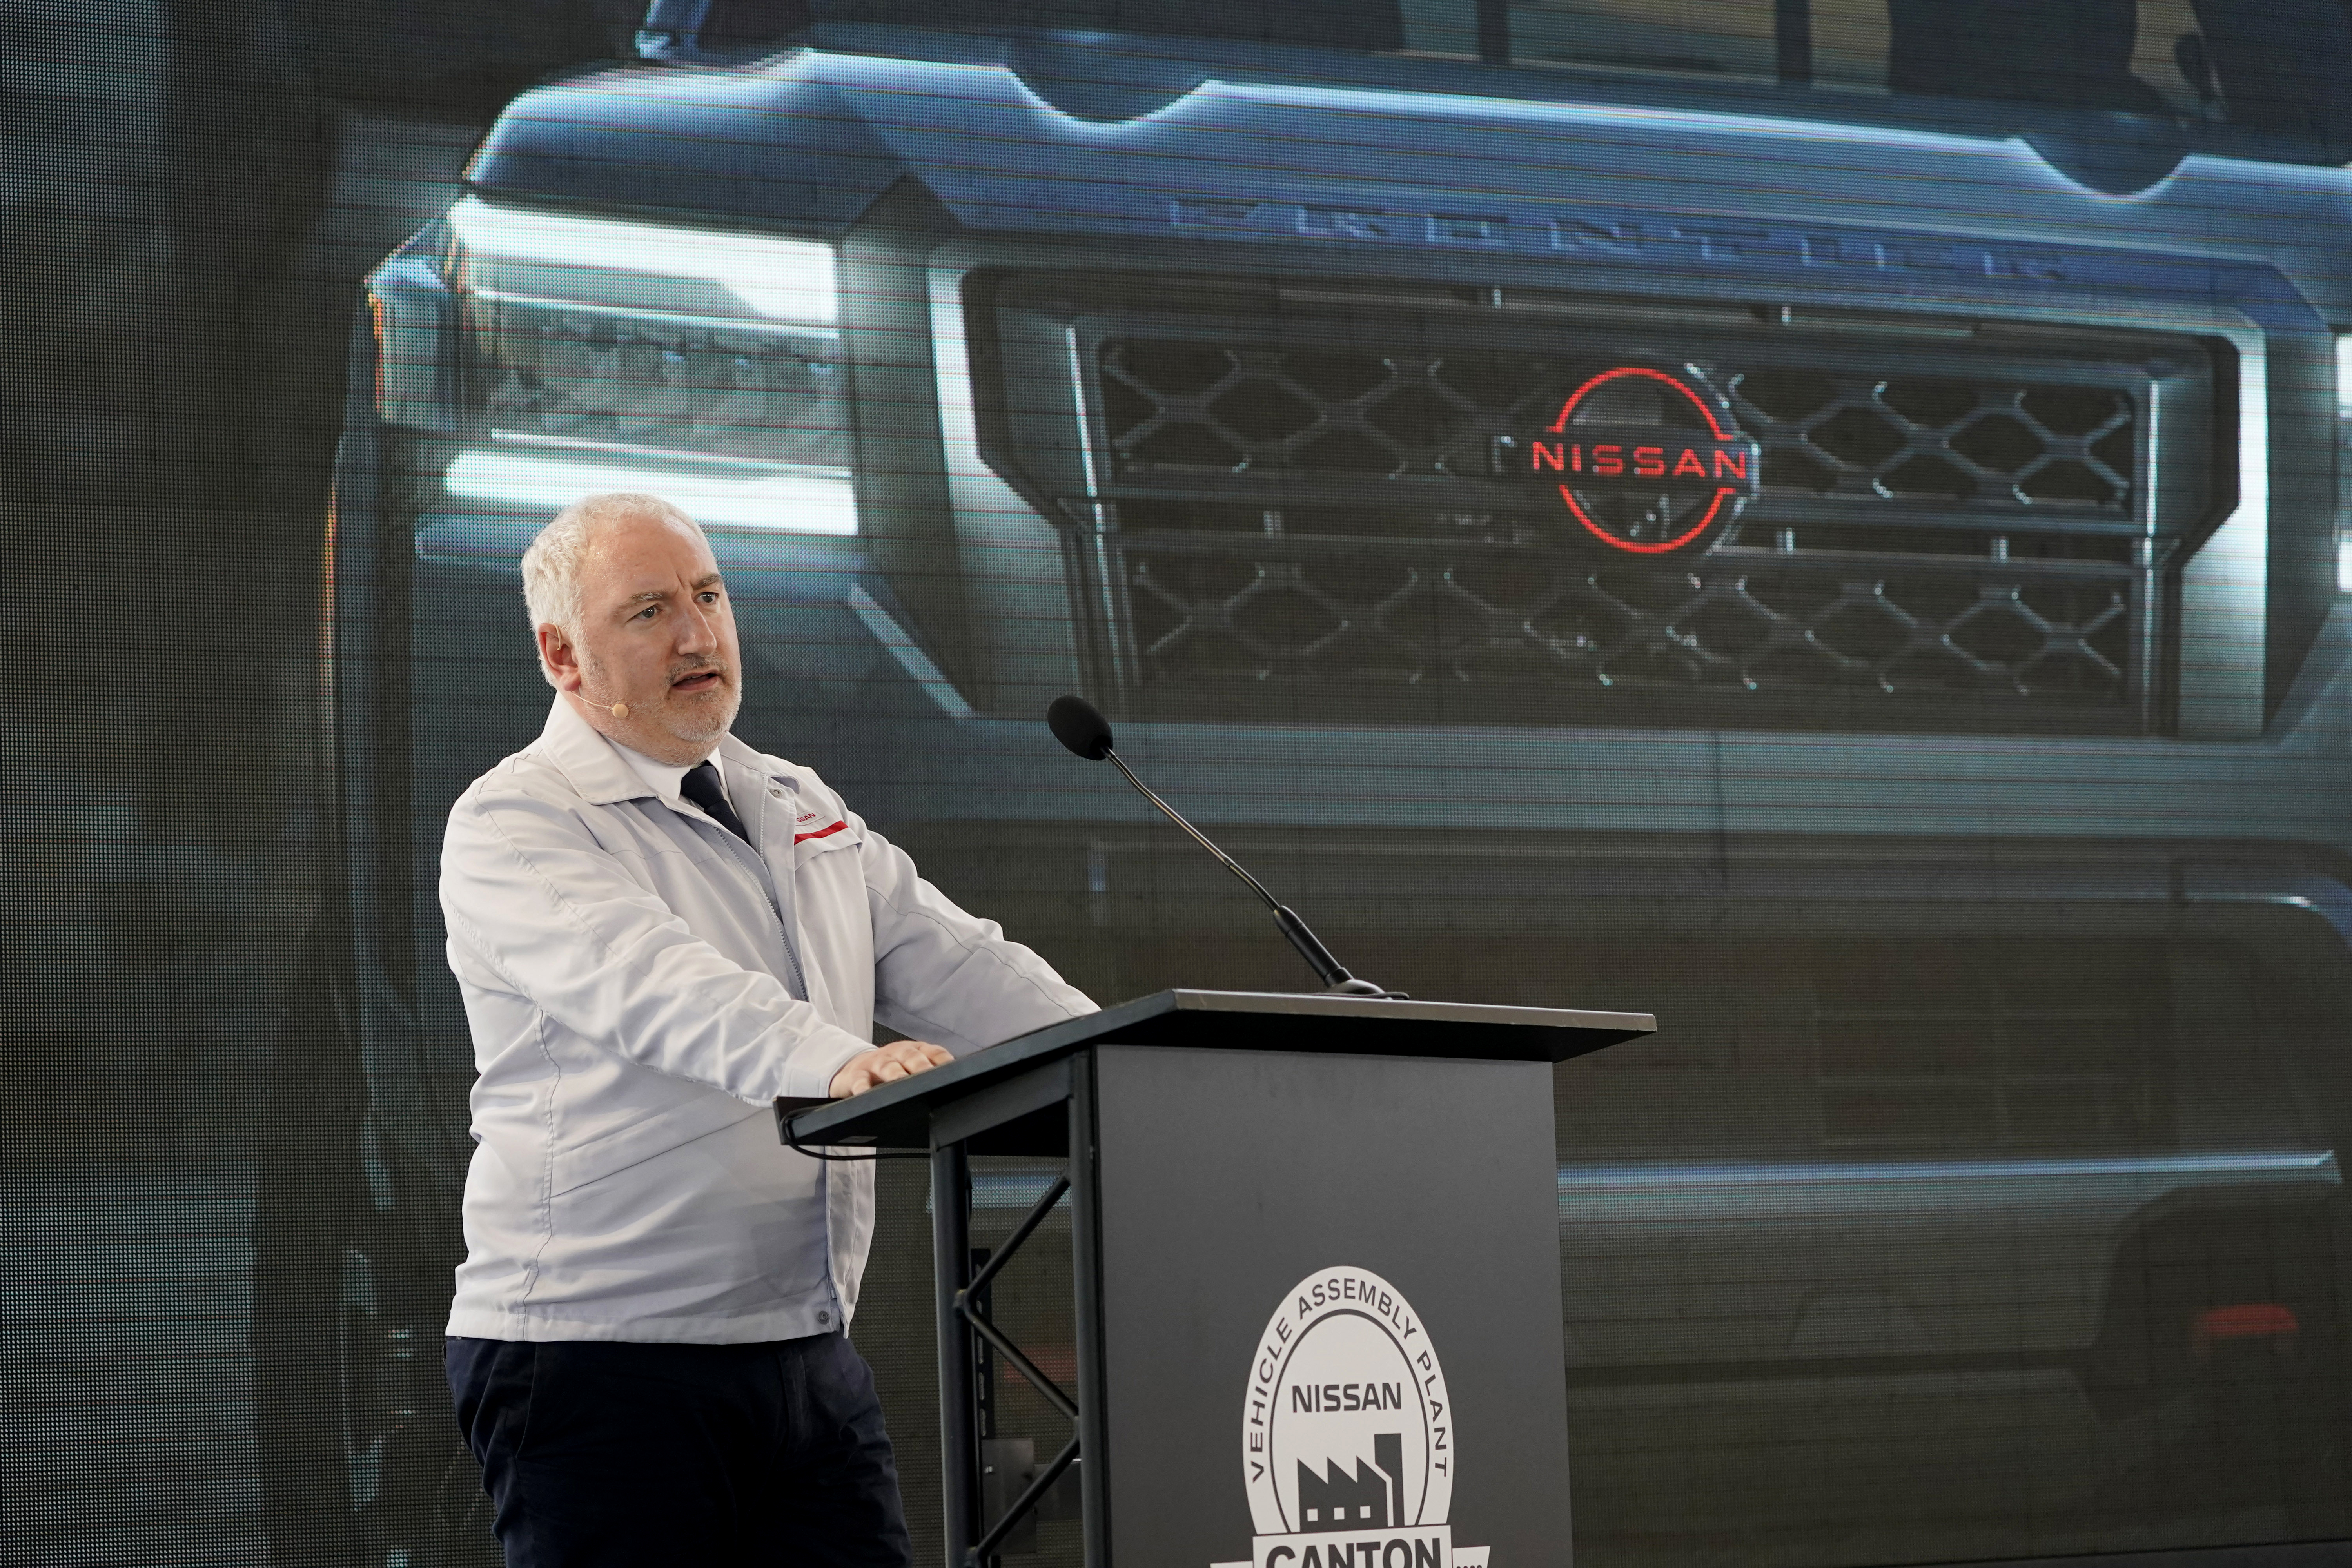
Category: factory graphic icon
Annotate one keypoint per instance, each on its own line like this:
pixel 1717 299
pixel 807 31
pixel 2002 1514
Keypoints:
pixel 1371 1496
pixel 1347 1433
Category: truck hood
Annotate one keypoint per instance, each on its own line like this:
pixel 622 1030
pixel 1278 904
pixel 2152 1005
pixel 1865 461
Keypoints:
pixel 1154 144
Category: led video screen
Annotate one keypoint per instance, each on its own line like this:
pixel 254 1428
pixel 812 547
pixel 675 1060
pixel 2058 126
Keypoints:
pixel 1818 520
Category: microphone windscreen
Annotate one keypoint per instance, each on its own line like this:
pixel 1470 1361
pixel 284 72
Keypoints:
pixel 1077 724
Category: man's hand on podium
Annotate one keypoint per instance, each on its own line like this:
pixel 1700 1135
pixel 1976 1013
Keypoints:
pixel 886 1064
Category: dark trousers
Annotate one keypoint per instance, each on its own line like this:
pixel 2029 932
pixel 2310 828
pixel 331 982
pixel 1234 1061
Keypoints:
pixel 605 1454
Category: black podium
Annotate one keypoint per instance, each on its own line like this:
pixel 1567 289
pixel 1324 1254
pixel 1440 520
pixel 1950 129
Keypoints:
pixel 1315 1246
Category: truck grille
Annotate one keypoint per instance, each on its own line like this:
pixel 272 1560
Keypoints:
pixel 1485 613
pixel 1993 444
pixel 1285 503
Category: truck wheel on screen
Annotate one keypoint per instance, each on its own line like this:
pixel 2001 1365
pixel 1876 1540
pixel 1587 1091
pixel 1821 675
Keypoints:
pixel 359 1457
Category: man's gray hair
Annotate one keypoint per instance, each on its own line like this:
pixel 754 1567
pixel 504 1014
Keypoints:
pixel 550 567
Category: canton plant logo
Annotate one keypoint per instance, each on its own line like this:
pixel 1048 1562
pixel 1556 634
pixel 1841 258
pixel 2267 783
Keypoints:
pixel 1347 1437
pixel 1647 461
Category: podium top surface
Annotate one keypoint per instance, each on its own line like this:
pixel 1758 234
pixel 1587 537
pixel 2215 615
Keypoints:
pixel 895 1114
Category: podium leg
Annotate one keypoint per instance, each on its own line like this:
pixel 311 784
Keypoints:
pixel 1086 1272
pixel 951 1267
pixel 1035 1108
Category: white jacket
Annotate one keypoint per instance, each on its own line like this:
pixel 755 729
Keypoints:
pixel 640 985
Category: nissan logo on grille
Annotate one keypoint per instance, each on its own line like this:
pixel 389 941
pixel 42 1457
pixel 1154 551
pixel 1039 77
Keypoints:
pixel 1647 461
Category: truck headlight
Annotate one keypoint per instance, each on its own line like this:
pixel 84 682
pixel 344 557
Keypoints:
pixel 699 365
pixel 2344 462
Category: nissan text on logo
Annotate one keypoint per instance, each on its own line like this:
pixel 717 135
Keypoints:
pixel 1647 461
pixel 1347 1434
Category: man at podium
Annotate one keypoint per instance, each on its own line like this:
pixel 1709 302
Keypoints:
pixel 659 931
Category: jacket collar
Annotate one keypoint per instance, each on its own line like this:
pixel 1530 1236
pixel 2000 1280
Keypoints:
pixel 749 758
pixel 600 773
pixel 586 759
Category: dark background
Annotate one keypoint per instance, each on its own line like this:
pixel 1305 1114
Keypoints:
pixel 193 194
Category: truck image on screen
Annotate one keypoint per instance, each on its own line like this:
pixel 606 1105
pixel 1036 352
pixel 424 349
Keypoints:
pixel 1816 518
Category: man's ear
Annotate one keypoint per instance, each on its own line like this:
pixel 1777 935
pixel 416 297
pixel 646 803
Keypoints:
pixel 558 659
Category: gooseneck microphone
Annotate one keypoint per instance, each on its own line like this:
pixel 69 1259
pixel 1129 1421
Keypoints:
pixel 1080 726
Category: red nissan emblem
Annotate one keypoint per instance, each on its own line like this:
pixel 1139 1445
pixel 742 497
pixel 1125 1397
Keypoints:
pixel 1645 461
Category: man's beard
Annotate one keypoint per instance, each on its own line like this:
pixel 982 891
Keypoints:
pixel 693 720
pixel 717 707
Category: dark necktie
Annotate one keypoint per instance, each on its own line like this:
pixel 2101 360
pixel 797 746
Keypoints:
pixel 701 786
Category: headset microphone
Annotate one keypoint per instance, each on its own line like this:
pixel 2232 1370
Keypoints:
pixel 617 709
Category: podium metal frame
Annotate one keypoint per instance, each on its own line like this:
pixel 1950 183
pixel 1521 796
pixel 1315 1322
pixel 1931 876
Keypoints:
pixel 1034 1097
pixel 972 1540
